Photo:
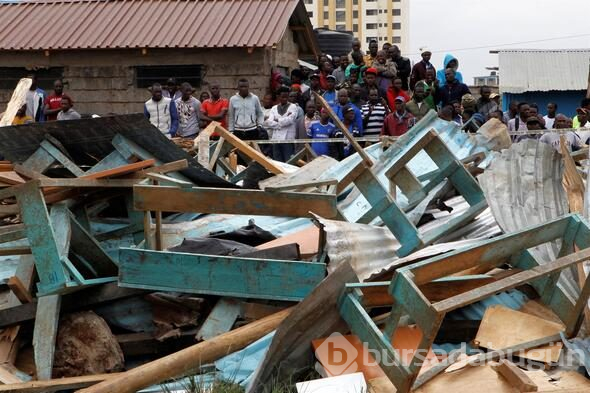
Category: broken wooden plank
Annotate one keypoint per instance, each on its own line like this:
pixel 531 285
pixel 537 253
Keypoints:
pixel 81 182
pixel 20 290
pixel 28 173
pixel 220 201
pixel 180 363
pixel 45 334
pixel 242 146
pixel 218 275
pixel 515 376
pixel 163 168
pixel 169 180
pixel 220 319
pixel 8 377
pixel 55 385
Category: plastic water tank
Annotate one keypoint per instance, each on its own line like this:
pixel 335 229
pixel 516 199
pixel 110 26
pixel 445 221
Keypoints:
pixel 335 43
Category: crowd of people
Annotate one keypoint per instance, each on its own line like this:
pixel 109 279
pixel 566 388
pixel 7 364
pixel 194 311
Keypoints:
pixel 377 93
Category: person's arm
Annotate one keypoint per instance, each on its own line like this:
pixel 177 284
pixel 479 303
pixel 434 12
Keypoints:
pixel 173 119
pixel 291 118
pixel 146 113
pixel 48 111
pixel 384 128
pixel 230 117
pixel 359 121
pixel 260 112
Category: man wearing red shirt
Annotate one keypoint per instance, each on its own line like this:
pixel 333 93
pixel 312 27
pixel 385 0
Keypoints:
pixel 215 108
pixel 399 121
pixel 52 104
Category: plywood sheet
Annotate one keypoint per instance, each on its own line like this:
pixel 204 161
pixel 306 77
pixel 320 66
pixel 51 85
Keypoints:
pixel 308 240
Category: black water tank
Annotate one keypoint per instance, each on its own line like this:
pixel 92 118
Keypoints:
pixel 335 43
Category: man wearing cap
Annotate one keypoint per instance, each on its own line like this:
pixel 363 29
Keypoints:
pixel 344 101
pixel 371 83
pixel 330 93
pixel 453 90
pixel 485 104
pixel 584 105
pixel 420 68
pixel 399 121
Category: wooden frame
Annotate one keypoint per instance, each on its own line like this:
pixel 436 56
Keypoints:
pixel 409 298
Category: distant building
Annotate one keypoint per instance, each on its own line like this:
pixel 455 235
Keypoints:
pixel 110 52
pixel 381 20
pixel 491 80
pixel 543 76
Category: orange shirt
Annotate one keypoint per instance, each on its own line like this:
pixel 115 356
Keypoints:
pixel 213 108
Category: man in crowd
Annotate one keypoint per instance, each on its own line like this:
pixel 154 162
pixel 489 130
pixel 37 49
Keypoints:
pixel 355 95
pixel 396 90
pixel 215 108
pixel 52 103
pixel 322 129
pixel 583 118
pixel 344 101
pixel 452 63
pixel 34 100
pixel 67 112
pixel 358 65
pixel 356 47
pixel 519 122
pixel 312 115
pixel 585 104
pixel 245 112
pixel 189 109
pixel 21 116
pixel 330 93
pixel 399 121
pixel 172 90
pixel 420 68
pixel 403 65
pixel 485 105
pixel 453 90
pixel 294 98
pixel 340 72
pixel 374 113
pixel 550 116
pixel 511 112
pixel 161 112
pixel 370 84
pixel 370 57
pixel 416 106
pixel 534 111
pixel 283 121
pixel 572 140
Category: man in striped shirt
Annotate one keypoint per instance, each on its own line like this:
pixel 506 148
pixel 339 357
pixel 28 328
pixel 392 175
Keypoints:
pixel 374 113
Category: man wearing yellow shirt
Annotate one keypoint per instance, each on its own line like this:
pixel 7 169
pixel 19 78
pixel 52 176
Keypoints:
pixel 21 117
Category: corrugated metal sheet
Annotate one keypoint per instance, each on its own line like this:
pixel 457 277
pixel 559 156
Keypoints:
pixel 543 70
pixel 99 24
pixel 523 188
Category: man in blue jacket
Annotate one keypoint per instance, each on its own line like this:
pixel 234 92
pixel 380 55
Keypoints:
pixel 343 101
pixel 452 63
pixel 453 90
pixel 161 112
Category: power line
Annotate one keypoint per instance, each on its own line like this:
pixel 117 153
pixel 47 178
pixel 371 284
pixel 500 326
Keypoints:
pixel 507 44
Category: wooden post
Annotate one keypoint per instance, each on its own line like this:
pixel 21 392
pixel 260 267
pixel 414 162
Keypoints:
pixel 180 363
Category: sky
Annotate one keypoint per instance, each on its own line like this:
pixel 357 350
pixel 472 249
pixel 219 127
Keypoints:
pixel 451 26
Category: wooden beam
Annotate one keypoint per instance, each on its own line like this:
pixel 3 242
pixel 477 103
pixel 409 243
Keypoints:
pixel 515 376
pixel 220 201
pixel 180 363
pixel 20 290
pixel 165 168
pixel 170 180
pixel 55 385
pixel 218 275
pixel 242 146
pixel 28 173
pixel 80 182
pixel 220 319
pixel 45 334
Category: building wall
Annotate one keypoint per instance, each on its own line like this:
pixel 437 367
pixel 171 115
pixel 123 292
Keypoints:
pixel 383 20
pixel 104 81
pixel 567 101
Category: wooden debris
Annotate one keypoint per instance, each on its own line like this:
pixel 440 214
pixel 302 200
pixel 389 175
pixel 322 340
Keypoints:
pixel 515 376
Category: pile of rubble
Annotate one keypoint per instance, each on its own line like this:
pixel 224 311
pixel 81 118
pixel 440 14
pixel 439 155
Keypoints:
pixel 131 263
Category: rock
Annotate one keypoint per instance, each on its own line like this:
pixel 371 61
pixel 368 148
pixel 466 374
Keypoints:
pixel 85 346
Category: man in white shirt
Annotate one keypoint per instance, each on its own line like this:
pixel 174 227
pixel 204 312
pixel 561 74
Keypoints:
pixel 283 121
pixel 550 116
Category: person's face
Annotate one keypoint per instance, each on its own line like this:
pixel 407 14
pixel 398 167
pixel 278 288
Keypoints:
pixel 343 97
pixel 419 93
pixel 426 56
pixel 294 97
pixel 214 91
pixel 310 108
pixel 373 48
pixel 349 116
pixel 354 75
pixel 551 109
pixel 533 111
pixel 65 104
pixel 386 46
pixel 267 101
pixel 171 87
pixel 524 111
pixel 429 75
pixel 295 79
pixel 560 122
pixel 485 94
pixel 370 79
pixel 322 59
pixel 399 106
pixel 533 126
pixel 397 83
pixel 324 116
pixel 156 93
pixel 357 58
pixel 336 61
pixel 395 52
pixel 284 98
pixel 453 64
pixel 243 88
pixel 331 84
pixel 449 75
pixel 457 108
pixel 513 107
pixel 204 96
pixel 186 93
pixel 356 46
pixel 381 57
pixel 315 83
pixel 58 87
pixel 583 117
pixel 327 67
pixel 356 91
pixel 373 96
pixel 344 62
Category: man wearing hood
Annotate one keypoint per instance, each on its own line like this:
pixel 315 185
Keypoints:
pixel 450 62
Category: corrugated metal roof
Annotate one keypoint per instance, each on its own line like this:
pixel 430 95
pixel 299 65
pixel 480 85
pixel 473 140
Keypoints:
pixel 99 24
pixel 524 70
